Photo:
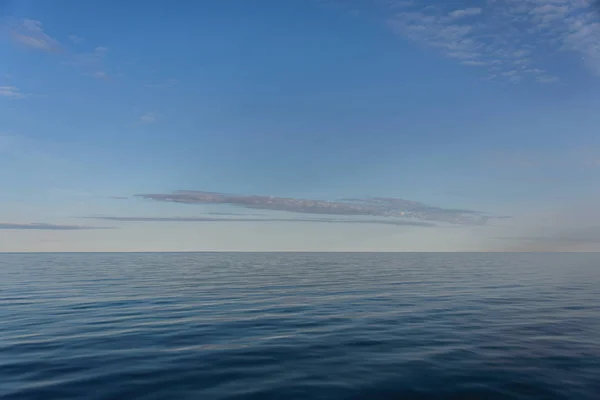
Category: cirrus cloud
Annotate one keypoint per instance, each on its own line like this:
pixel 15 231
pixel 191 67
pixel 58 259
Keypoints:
pixel 511 40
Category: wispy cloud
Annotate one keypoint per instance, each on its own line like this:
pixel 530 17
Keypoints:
pixel 374 207
pixel 467 12
pixel 571 240
pixel 147 118
pixel 547 13
pixel 547 79
pixel 267 220
pixel 30 34
pixel 572 228
pixel 76 39
pixel 473 63
pixel 510 39
pixel 166 84
pixel 12 92
pixel 395 4
pixel 581 34
pixel 46 227
pixel 92 63
pixel 103 75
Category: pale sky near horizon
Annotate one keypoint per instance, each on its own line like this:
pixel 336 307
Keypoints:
pixel 301 125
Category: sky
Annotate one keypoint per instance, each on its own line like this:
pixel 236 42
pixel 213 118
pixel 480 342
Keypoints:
pixel 300 125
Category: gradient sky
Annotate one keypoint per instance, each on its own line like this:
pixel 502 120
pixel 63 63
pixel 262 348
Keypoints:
pixel 363 125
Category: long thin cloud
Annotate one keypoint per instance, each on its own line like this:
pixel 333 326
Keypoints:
pixel 375 207
pixel 270 220
pixel 47 227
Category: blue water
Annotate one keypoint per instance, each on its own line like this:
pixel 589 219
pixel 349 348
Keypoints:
pixel 299 326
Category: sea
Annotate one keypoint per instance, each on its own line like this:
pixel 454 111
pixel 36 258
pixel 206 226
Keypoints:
pixel 299 326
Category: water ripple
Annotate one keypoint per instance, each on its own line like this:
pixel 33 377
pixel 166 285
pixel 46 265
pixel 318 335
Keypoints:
pixel 299 326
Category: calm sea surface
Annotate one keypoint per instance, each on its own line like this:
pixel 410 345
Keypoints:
pixel 299 326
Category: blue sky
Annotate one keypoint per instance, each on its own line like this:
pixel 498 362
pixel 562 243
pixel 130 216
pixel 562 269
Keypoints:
pixel 376 125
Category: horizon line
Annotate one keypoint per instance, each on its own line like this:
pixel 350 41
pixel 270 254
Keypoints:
pixel 293 252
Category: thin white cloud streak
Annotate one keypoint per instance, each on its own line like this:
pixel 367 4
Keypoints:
pixel 147 119
pixel 102 75
pixel 43 226
pixel 547 79
pixel 467 12
pixel 12 92
pixel 472 63
pixel 76 39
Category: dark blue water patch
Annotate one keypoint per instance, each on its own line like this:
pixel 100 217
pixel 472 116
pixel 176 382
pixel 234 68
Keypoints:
pixel 300 326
